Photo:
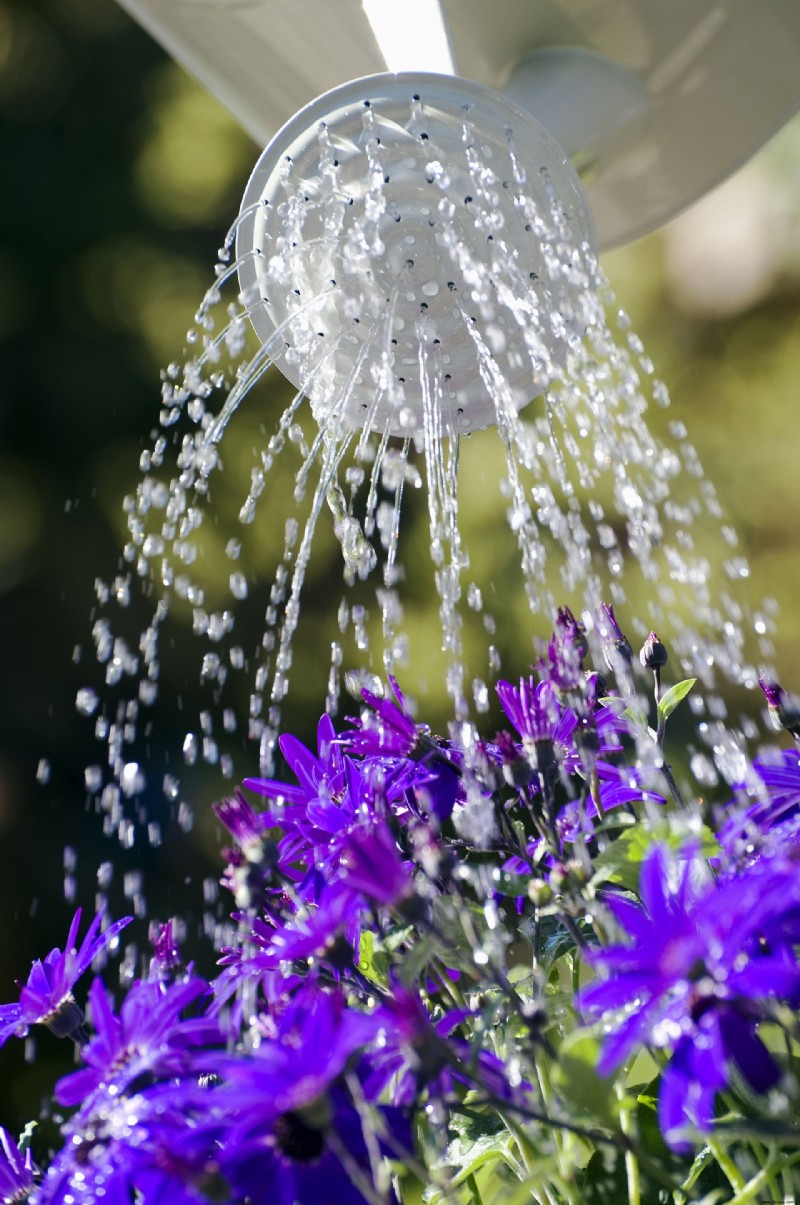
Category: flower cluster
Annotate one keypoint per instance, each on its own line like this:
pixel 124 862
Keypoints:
pixel 450 963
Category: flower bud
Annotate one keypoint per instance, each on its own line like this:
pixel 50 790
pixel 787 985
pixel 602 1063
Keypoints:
pixel 567 878
pixel 540 893
pixel 617 651
pixel 596 685
pixel 784 710
pixel 653 654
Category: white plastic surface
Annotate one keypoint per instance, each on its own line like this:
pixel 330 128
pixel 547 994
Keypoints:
pixel 721 75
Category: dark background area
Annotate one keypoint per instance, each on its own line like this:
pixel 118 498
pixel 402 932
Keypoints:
pixel 119 178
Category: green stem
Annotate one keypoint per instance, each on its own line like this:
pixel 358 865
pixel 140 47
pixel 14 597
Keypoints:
pixel 526 1150
pixel 726 1163
pixel 628 1127
pixel 659 740
pixel 698 1167
pixel 751 1191
pixel 576 971
pixel 474 1191
pixel 447 987
pixel 594 791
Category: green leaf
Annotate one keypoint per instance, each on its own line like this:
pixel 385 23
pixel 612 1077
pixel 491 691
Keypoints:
pixel 543 1177
pixel 373 961
pixel 480 1139
pixel 486 1150
pixel 394 938
pixel 554 939
pixel 604 1179
pixel 462 928
pixel 419 958
pixel 670 700
pixel 628 710
pixel 649 1131
pixel 510 884
pixel 621 861
pixel 576 1077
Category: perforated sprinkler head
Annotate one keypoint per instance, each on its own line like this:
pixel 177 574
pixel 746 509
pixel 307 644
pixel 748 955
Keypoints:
pixel 416 249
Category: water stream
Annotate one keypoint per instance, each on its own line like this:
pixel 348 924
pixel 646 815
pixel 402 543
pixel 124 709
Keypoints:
pixel 450 334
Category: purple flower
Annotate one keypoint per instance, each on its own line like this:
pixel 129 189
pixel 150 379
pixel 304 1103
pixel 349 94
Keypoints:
pixel 166 963
pixel 146 1146
pixel 374 867
pixel 389 728
pixel 256 865
pixel 317 777
pixel 317 1035
pixel 293 1136
pixel 46 998
pixel 16 1170
pixel 773 816
pixel 562 663
pixel 327 930
pixel 314 1154
pixel 697 977
pixel 334 797
pixel 546 727
pixel 533 710
pixel 245 825
pixel 148 1037
pixel 388 731
pixel 419 1055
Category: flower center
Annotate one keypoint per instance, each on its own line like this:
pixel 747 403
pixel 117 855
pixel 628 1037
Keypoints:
pixel 296 1140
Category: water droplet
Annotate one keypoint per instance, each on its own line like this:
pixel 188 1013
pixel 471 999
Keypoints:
pixel 87 701
pixel 238 584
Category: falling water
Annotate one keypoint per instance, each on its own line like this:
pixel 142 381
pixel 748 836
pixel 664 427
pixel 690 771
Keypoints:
pixel 424 274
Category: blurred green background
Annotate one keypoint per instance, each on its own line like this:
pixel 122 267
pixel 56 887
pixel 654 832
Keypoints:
pixel 119 178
